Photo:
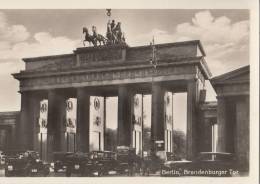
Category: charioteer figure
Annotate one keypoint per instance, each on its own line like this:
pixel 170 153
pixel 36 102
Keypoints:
pixel 114 33
pixel 112 25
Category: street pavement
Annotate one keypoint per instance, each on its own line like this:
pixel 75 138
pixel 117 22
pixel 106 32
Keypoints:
pixel 62 174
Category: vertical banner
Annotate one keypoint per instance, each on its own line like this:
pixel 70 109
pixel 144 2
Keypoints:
pixel 42 135
pixel 71 115
pixel 138 110
pixel 137 123
pixel 96 123
pixel 43 118
pixel 168 101
pixel 71 126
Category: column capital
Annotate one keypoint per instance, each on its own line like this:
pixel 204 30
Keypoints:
pixel 221 97
pixel 81 89
pixel 81 92
pixel 192 80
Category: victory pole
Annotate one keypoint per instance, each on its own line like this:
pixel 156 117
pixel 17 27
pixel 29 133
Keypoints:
pixel 153 62
pixel 108 14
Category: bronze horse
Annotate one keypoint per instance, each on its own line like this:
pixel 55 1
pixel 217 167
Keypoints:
pixel 98 37
pixel 94 39
pixel 89 38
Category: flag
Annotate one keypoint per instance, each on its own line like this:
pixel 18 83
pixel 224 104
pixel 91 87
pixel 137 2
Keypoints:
pixel 153 60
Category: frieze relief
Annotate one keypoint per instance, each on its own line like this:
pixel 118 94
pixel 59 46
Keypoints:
pixel 92 58
pixel 105 55
pixel 58 64
pixel 100 76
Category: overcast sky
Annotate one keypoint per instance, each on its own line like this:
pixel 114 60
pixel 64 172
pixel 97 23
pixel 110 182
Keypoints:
pixel 27 33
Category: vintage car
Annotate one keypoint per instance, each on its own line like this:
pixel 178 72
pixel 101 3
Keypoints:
pixel 19 163
pixel 76 163
pixel 127 161
pixel 36 166
pixel 15 164
pixel 59 161
pixel 213 164
pixel 2 158
pixel 100 163
pixel 171 156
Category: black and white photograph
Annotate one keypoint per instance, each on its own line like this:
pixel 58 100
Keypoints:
pixel 127 93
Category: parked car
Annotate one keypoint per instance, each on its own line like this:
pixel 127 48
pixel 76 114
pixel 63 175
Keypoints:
pixel 59 161
pixel 2 158
pixel 107 162
pixel 127 160
pixel 38 168
pixel 28 163
pixel 16 164
pixel 76 163
pixel 100 163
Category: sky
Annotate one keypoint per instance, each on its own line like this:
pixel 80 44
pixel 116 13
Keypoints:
pixel 224 35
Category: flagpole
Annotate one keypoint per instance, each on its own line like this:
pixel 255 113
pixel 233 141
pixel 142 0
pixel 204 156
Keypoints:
pixel 154 63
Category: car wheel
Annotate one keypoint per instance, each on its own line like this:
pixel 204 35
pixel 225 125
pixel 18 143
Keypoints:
pixel 99 173
pixel 55 170
pixel 7 174
pixel 27 172
pixel 46 172
pixel 68 173
pixel 82 172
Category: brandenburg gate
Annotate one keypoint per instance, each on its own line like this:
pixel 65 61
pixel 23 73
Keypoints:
pixel 52 86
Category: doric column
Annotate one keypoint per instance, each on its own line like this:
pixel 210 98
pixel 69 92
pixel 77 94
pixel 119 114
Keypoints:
pixel 13 137
pixel 157 121
pixel 125 100
pixel 36 123
pixel 56 121
pixel 105 122
pixel 26 126
pixel 206 135
pixel 192 112
pixel 83 104
pixel 222 124
pixel 242 131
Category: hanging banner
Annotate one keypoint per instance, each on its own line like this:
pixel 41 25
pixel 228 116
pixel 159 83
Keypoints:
pixel 71 114
pixel 168 110
pixel 96 128
pixel 137 123
pixel 168 101
pixel 137 120
pixel 97 111
pixel 43 118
